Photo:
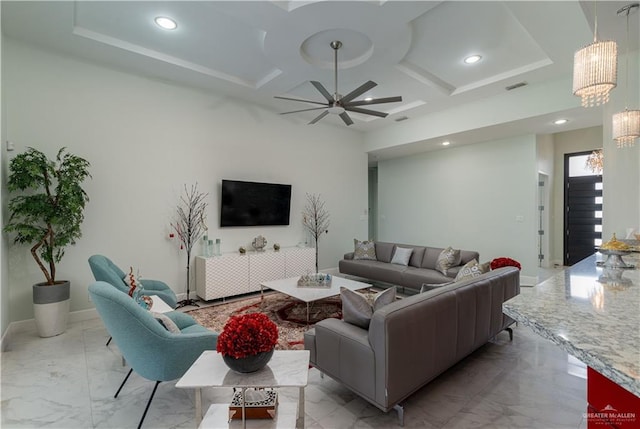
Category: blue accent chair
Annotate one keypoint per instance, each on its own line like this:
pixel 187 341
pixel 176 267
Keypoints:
pixel 146 345
pixel 106 271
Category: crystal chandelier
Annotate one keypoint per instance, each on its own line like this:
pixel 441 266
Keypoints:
pixel 595 69
pixel 626 124
pixel 595 161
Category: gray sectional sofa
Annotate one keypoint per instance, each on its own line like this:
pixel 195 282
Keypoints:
pixel 413 340
pixel 421 268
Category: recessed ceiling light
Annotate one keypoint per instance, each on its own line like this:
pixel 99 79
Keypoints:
pixel 447 143
pixel 561 121
pixel 166 23
pixel 472 59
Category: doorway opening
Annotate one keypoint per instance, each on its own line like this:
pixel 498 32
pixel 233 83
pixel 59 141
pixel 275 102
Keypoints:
pixel 583 199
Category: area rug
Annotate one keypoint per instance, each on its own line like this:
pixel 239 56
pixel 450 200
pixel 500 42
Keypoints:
pixel 288 313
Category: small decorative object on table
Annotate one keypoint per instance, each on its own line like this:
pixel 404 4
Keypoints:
pixel 276 247
pixel 614 249
pixel 258 404
pixel 259 243
pixel 242 250
pixel 246 342
pixel 315 280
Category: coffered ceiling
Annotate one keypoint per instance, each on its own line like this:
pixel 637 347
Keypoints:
pixel 255 50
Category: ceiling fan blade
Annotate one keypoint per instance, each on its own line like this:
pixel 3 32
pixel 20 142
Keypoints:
pixel 374 101
pixel 320 116
pixel 323 91
pixel 303 110
pixel 346 118
pixel 298 99
pixel 366 111
pixel 358 91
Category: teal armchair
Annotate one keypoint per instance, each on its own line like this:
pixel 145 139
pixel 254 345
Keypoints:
pixel 149 348
pixel 106 271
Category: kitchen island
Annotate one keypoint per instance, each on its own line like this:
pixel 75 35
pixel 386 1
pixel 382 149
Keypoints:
pixel 593 313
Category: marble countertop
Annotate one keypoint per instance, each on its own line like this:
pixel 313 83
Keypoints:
pixel 591 312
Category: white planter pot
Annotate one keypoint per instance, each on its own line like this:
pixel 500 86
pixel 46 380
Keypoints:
pixel 51 308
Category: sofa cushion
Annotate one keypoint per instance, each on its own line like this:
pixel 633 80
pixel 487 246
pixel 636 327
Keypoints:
pixel 384 272
pixel 384 251
pixel 468 255
pixel 448 258
pixel 364 250
pixel 416 255
pixel 430 257
pixel 401 256
pixel 414 277
pixel 472 269
pixel 431 286
pixel 358 308
pixel 360 268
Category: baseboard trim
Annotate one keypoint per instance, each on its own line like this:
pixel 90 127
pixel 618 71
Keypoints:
pixel 29 325
pixel 528 281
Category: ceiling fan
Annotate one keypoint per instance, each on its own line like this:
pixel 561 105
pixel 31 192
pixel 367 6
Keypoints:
pixel 341 104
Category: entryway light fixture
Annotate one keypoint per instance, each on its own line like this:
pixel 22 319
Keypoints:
pixel 595 69
pixel 595 161
pixel 626 124
pixel 166 23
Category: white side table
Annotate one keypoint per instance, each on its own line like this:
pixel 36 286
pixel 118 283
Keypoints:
pixel 287 368
pixel 159 306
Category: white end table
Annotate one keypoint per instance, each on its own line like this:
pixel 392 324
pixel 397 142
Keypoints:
pixel 159 306
pixel 287 368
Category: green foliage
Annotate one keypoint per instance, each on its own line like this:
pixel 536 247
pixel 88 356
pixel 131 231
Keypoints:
pixel 49 209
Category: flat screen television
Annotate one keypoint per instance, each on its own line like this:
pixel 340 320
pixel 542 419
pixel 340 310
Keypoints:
pixel 254 204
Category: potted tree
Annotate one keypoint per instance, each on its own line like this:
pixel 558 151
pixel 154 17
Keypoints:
pixel 47 214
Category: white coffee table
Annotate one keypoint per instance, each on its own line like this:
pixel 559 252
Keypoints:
pixel 287 368
pixel 309 294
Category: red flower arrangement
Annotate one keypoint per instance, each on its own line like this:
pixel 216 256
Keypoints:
pixel 505 262
pixel 246 335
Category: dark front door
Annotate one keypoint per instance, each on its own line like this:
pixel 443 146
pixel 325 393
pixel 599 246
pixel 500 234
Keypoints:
pixel 583 209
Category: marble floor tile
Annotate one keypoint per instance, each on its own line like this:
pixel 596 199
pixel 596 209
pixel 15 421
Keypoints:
pixel 69 381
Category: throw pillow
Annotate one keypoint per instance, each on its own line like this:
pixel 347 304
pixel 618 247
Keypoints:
pixel 364 250
pixel 358 309
pixel 472 269
pixel 166 322
pixel 431 286
pixel 448 258
pixel 402 256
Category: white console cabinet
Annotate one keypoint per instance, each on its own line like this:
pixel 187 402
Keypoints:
pixel 235 274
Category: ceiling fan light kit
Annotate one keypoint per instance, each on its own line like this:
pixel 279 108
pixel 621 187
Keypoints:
pixel 338 104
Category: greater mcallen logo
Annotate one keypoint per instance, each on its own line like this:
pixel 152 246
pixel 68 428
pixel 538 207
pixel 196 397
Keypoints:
pixel 610 415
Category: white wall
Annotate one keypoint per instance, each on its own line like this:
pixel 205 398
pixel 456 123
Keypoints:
pixel 621 176
pixel 569 142
pixel 145 140
pixel 467 197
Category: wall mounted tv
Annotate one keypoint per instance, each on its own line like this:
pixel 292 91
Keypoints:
pixel 254 204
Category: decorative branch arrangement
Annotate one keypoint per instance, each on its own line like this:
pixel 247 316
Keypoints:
pixel 189 226
pixel 315 219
